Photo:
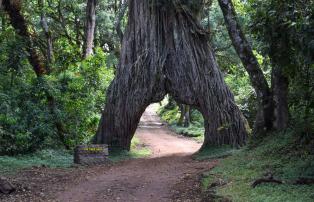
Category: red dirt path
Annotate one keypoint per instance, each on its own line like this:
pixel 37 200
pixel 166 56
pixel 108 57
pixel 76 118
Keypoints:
pixel 156 178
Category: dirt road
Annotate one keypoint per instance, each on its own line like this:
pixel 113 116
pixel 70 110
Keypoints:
pixel 145 180
pixel 167 175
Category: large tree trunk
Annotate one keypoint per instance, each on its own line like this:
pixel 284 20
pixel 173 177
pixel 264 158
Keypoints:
pixel 90 27
pixel 280 85
pixel 264 117
pixel 17 20
pixel 164 51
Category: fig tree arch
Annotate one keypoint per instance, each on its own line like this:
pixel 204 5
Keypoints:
pixel 164 51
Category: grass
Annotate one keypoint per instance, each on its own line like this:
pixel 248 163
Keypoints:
pixel 138 150
pixel 278 153
pixel 49 158
pixel 62 159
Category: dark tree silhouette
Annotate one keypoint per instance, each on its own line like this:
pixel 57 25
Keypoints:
pixel 264 117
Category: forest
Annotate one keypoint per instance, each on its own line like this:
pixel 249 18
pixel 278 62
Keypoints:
pixel 197 100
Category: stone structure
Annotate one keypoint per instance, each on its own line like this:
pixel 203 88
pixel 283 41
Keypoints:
pixel 91 154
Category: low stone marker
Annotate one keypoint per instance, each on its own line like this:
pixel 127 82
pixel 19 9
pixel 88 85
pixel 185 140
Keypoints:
pixel 91 154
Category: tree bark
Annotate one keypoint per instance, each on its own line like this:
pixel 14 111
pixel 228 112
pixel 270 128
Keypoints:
pixel 184 119
pixel 280 85
pixel 12 8
pixel 264 117
pixel 90 27
pixel 164 51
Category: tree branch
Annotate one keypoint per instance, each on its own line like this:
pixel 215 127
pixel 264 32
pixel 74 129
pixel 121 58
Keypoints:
pixel 123 8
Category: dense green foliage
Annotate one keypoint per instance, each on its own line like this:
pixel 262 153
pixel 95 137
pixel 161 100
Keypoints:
pixel 26 124
pixel 78 85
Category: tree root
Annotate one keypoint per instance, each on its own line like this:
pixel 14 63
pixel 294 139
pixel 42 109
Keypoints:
pixel 304 181
pixel 271 179
pixel 266 180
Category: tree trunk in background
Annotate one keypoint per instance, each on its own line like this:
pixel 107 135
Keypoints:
pixel 164 51
pixel 77 29
pixel 264 117
pixel 184 119
pixel 18 22
pixel 90 27
pixel 187 117
pixel 44 24
pixel 3 23
pixel 12 8
pixel 182 113
pixel 280 85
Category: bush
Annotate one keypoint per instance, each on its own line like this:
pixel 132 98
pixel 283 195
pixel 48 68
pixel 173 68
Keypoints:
pixel 26 123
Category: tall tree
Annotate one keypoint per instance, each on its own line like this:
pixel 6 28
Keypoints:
pixel 90 27
pixel 273 112
pixel 185 117
pixel 264 117
pixel 18 22
pixel 165 51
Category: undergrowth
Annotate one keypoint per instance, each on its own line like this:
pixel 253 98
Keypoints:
pixel 280 154
pixel 138 150
pixel 62 159
pixel 171 116
pixel 48 158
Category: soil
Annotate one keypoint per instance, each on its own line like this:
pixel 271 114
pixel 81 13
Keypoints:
pixel 169 174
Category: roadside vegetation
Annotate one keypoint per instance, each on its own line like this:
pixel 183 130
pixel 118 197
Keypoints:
pixel 50 158
pixel 169 113
pixel 279 154
pixel 44 158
